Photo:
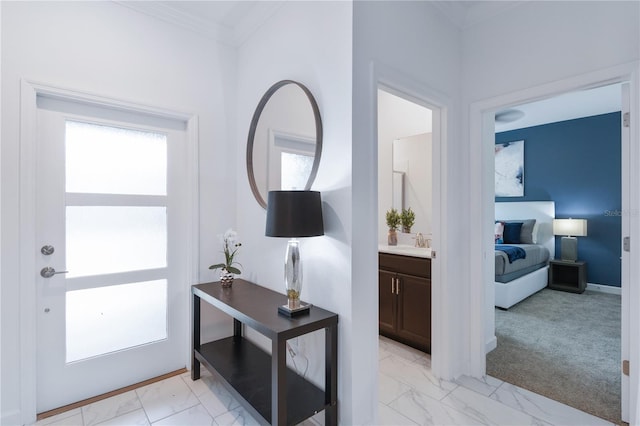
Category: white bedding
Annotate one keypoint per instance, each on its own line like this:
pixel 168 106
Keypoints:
pixel 508 294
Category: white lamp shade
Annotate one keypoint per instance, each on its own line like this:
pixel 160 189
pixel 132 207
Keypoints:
pixel 570 227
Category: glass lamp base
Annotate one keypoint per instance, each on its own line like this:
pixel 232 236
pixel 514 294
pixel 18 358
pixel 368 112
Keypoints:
pixel 293 312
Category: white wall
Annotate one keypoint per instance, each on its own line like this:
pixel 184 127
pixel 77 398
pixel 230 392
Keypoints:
pixel 110 50
pixel 541 42
pixel 412 48
pixel 537 44
pixel 1 61
pixel 309 42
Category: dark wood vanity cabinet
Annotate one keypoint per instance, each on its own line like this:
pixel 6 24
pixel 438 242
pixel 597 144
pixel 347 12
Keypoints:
pixel 404 291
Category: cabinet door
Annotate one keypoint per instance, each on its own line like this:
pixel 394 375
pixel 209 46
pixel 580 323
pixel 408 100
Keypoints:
pixel 414 311
pixel 387 306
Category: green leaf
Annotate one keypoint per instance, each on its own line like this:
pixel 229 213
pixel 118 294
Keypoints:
pixel 217 266
pixel 233 270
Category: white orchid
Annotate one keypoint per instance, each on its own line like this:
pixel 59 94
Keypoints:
pixel 230 246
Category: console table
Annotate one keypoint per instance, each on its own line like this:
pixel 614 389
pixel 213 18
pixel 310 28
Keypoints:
pixel 262 382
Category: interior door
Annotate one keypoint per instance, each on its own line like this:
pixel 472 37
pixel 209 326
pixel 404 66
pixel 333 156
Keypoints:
pixel 626 274
pixel 111 304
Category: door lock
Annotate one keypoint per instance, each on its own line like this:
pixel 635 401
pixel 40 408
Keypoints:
pixel 47 250
pixel 48 272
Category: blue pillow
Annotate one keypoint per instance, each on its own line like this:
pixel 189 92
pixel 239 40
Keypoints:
pixel 511 233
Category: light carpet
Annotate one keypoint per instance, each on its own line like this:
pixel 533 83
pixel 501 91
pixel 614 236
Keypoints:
pixel 564 346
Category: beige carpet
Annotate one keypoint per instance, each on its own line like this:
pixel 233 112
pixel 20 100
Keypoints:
pixel 564 346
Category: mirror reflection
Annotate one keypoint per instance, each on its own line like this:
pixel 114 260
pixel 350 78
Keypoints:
pixel 285 140
pixel 412 177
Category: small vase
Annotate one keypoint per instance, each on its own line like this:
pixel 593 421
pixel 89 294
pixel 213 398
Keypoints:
pixel 392 238
pixel 226 278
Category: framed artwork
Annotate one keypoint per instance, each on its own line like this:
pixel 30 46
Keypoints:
pixel 509 165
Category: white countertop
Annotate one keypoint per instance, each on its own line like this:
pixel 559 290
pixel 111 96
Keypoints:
pixel 405 250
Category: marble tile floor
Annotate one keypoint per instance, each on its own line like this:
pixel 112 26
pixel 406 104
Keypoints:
pixel 408 395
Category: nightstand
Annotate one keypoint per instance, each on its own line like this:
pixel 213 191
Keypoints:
pixel 567 276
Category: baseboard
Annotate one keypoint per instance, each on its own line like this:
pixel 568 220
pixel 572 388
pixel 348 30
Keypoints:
pixel 491 345
pixel 604 288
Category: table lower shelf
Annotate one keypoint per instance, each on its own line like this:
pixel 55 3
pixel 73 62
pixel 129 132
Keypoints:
pixel 246 369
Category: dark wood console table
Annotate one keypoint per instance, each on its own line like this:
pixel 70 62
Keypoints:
pixel 262 382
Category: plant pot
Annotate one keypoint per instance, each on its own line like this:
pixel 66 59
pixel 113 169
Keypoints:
pixel 392 238
pixel 226 278
pixel 406 230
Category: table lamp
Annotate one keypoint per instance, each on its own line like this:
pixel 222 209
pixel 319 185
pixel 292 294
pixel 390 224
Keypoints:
pixel 569 229
pixel 294 214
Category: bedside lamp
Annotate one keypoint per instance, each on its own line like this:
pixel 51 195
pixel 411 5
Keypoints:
pixel 570 229
pixel 294 214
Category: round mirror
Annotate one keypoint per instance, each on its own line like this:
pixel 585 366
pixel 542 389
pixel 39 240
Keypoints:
pixel 285 140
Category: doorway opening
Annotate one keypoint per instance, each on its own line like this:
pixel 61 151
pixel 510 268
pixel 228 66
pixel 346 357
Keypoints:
pixel 407 138
pixel 574 158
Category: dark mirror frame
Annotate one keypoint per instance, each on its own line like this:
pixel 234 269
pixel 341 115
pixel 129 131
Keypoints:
pixel 252 132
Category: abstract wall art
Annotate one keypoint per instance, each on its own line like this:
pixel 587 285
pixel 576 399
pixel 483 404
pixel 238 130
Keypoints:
pixel 509 165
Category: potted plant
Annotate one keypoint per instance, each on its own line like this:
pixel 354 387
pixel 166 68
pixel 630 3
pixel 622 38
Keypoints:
pixel 393 221
pixel 230 246
pixel 408 218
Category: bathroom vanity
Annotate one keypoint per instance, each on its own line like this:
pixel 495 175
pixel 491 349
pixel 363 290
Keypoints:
pixel 404 287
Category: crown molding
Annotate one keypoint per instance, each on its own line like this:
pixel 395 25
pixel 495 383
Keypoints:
pixel 254 15
pixel 182 19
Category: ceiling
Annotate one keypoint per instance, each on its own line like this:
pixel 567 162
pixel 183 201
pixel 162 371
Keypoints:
pixel 233 22
pixel 582 103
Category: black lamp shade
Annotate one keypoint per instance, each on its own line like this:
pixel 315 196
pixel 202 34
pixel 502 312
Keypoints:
pixel 294 214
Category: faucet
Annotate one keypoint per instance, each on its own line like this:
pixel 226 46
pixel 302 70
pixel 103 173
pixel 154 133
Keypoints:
pixel 420 241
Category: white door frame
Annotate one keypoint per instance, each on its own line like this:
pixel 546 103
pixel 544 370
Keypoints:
pixel 481 187
pixel 27 249
pixel 400 84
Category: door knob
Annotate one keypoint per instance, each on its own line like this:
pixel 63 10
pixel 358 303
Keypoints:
pixel 48 272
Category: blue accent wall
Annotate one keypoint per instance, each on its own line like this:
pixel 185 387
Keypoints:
pixel 577 164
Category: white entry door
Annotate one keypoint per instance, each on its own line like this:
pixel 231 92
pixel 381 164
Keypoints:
pixel 111 261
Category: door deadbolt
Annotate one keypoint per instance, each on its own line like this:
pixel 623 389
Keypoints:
pixel 48 272
pixel 47 250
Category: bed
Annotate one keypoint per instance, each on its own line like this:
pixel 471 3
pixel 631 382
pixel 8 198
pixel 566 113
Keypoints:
pixel 522 271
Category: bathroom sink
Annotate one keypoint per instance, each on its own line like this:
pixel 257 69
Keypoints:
pixel 405 250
